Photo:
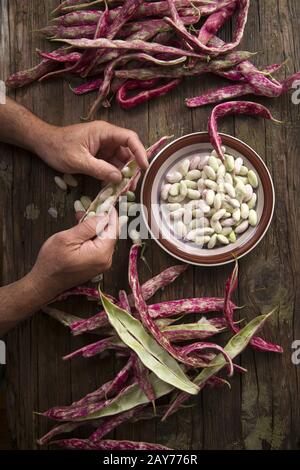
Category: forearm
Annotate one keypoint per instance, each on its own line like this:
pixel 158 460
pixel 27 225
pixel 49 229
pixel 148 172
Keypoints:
pixel 22 128
pixel 19 301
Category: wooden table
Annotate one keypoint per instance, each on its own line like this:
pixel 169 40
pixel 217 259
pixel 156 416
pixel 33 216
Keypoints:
pixel 262 410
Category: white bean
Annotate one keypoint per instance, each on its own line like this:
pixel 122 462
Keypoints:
pixel 191 184
pixel 202 240
pixel 228 178
pixel 253 179
pixel 130 196
pixel 222 239
pixel 174 199
pixel 135 237
pixel 218 215
pixel 203 161
pixel 228 222
pixel 193 194
pixel 232 202
pixel 78 206
pixel 127 172
pixel 244 211
pixel 210 197
pixel 195 162
pixel 252 202
pixel 183 189
pixel 236 215
pixel 213 163
pixel 210 172
pixel 232 237
pixel 229 190
pixel 226 231
pixel 199 223
pixel 238 165
pixel 60 183
pixel 187 216
pixel 212 242
pixel 249 192
pixel 172 207
pixel 216 226
pixel 193 175
pixel 53 212
pixel 221 171
pixel 174 177
pixel 165 191
pixel 177 215
pixel 201 185
pixel 180 229
pixel 229 163
pixel 243 171
pixel 174 190
pixel 70 180
pixel 218 202
pixel 211 185
pixel 242 227
pixel 184 167
pixel 252 218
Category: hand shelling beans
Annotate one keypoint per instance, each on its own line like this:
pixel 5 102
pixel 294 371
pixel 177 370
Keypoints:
pixel 209 202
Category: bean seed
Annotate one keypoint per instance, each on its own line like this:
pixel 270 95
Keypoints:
pixel 177 215
pixel 222 239
pixel 78 206
pixel 183 189
pixel 243 171
pixel 221 171
pixel 242 227
pixel 201 185
pixel 174 177
pixel 70 180
pixel 86 202
pixel 221 187
pixel 199 232
pixel 203 161
pixel 130 196
pixel 252 218
pixel 193 175
pixel 229 190
pixel 218 202
pixel 108 204
pixel 228 178
pixel 236 215
pixel 210 172
pixel 127 172
pixel 195 162
pixel 249 192
pixel 135 237
pixel 244 211
pixel 226 231
pixel 172 207
pixel 193 194
pixel 211 185
pixel 228 222
pixel 238 165
pixel 232 237
pixel 174 199
pixel 210 197
pixel 216 226
pixel 184 167
pixel 202 240
pixel 232 202
pixel 91 214
pixel 212 242
pixel 165 191
pixel 174 190
pixel 242 179
pixel 187 216
pixel 253 179
pixel 180 229
pixel 213 163
pixel 218 215
pixel 199 223
pixel 53 212
pixel 252 202
pixel 229 163
pixel 60 183
pixel 191 184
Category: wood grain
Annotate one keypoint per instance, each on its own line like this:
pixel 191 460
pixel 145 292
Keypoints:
pixel 261 411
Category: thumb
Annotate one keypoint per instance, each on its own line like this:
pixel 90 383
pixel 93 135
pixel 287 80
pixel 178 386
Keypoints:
pixel 103 170
pixel 88 229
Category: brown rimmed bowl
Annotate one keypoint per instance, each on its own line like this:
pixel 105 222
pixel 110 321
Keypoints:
pixel 159 229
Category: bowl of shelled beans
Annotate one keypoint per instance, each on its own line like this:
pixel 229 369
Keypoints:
pixel 205 211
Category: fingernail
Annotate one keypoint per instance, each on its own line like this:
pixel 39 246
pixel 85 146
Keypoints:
pixel 115 177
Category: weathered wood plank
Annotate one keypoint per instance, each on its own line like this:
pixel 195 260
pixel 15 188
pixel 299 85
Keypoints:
pixel 261 410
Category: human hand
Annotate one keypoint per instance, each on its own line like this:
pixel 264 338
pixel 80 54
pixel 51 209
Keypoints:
pixel 75 256
pixel 96 149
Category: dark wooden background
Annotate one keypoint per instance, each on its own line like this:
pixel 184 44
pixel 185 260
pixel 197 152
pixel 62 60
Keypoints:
pixel 262 410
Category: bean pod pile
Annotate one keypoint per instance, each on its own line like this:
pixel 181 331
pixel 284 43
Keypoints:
pixel 165 355
pixel 148 47
pixel 209 202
